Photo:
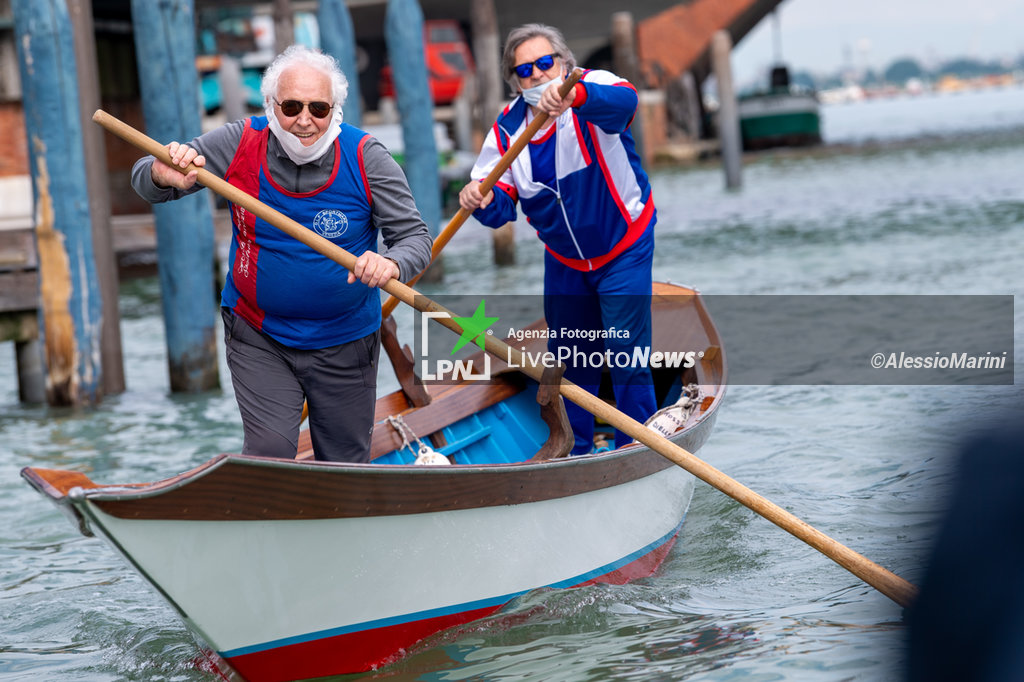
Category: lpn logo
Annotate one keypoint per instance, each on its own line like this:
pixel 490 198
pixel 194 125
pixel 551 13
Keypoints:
pixel 474 330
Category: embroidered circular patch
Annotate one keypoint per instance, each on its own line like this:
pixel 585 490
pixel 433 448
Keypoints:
pixel 330 223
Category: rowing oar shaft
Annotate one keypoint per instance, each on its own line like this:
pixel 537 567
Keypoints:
pixel 888 583
pixel 503 163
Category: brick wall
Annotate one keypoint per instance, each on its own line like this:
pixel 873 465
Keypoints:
pixel 14 149
pixel 120 154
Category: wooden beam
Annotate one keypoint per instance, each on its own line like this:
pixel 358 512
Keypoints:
pixel 19 291
pixel 487 55
pixel 625 64
pixel 98 186
pixel 284 27
pixel 728 114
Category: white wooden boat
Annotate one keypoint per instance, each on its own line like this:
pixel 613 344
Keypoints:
pixel 293 569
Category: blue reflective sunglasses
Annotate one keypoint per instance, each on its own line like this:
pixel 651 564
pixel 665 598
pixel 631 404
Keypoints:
pixel 543 63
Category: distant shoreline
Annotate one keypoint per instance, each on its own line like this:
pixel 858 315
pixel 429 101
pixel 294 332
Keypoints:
pixel 914 88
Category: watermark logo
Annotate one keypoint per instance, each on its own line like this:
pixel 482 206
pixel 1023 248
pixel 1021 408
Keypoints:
pixel 770 340
pixel 570 347
pixel 638 358
pixel 474 330
pixel 939 360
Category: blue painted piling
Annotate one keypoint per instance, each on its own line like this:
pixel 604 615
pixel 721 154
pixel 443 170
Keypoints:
pixel 70 315
pixel 338 39
pixel 403 30
pixel 165 49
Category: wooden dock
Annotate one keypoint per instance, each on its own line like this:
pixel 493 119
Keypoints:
pixel 134 238
pixel 19 284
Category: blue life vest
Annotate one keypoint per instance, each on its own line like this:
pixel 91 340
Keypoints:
pixel 278 284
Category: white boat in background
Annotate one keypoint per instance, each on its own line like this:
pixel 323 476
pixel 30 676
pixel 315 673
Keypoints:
pixel 295 569
pixel 842 95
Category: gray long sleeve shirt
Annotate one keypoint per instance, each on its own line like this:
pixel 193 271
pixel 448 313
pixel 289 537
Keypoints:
pixel 405 236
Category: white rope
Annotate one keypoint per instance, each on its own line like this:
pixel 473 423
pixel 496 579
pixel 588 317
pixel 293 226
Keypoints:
pixel 668 420
pixel 424 454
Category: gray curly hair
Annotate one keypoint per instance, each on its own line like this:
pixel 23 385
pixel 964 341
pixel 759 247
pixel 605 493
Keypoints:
pixel 295 55
pixel 520 35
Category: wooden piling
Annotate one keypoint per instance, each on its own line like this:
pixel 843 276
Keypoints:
pixel 22 327
pixel 284 26
pixel 29 358
pixel 689 105
pixel 165 48
pixel 728 114
pixel 98 186
pixel 70 316
pixel 338 39
pixel 462 115
pixel 232 93
pixel 403 28
pixel 491 89
pixel 625 64
pixel 504 240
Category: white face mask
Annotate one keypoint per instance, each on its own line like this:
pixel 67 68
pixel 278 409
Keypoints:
pixel 293 147
pixel 532 95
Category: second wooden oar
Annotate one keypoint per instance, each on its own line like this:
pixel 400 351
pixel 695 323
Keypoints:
pixel 487 184
pixel 886 582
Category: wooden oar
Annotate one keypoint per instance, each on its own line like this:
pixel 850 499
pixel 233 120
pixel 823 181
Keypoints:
pixel 888 583
pixel 503 163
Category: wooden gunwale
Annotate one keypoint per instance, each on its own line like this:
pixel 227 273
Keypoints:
pixel 243 488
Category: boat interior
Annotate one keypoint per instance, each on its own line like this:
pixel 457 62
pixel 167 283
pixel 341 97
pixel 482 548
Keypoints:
pixel 512 418
pixel 509 419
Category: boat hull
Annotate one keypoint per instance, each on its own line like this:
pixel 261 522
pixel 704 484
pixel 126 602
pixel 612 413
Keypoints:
pixel 294 569
pixel 779 119
pixel 379 584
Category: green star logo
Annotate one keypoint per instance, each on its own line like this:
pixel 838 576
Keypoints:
pixel 473 328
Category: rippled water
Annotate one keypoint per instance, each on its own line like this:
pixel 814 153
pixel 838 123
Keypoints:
pixel 737 598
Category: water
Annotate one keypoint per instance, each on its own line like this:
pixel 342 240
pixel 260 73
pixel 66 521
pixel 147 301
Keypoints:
pixel 911 200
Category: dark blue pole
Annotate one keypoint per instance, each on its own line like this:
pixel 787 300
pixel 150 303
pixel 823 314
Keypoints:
pixel 165 49
pixel 71 301
pixel 338 39
pixel 404 35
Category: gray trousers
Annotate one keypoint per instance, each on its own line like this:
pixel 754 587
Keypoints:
pixel 272 380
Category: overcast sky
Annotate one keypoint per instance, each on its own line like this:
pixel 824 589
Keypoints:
pixel 823 35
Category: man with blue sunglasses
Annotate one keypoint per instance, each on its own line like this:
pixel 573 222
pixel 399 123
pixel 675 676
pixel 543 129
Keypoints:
pixel 582 187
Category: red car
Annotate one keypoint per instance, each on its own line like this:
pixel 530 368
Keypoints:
pixel 448 61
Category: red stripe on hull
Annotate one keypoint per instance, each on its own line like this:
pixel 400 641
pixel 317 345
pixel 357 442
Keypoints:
pixel 347 653
pixel 370 649
pixel 641 568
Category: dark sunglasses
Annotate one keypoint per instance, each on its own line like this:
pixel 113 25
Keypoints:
pixel 543 63
pixel 293 107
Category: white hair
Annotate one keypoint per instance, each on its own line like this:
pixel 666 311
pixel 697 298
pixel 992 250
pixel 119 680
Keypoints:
pixel 520 35
pixel 295 55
